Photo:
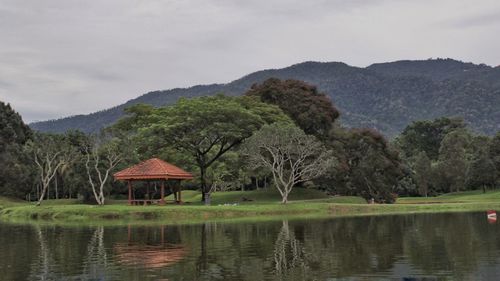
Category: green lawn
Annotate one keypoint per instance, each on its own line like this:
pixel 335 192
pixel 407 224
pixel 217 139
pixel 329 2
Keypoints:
pixel 457 197
pixel 228 206
pixel 265 196
pixel 8 202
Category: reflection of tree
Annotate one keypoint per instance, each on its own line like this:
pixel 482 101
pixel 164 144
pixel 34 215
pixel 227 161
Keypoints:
pixel 356 245
pixel 96 261
pixel 288 251
pixel 42 268
pixel 208 264
pixel 442 243
pixel 202 262
pixel 229 251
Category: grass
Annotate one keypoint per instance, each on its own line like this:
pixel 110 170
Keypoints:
pixel 264 205
pixel 476 196
pixel 265 196
pixel 8 202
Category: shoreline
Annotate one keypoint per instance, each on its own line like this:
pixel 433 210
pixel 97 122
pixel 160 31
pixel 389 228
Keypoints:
pixel 82 215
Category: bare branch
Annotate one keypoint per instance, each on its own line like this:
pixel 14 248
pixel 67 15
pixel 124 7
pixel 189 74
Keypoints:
pixel 290 154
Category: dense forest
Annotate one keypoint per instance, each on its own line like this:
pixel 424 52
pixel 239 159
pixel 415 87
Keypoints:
pixel 280 133
pixel 386 96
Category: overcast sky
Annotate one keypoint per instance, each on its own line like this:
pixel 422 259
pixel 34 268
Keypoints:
pixel 66 57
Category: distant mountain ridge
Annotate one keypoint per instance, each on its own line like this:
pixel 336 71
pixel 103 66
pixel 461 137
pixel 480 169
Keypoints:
pixel 383 96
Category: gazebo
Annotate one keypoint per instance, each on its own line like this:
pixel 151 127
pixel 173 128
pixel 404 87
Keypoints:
pixel 153 170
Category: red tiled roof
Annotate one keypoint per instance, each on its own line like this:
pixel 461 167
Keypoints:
pixel 153 168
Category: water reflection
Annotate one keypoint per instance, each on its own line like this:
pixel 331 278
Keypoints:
pixel 413 247
pixel 155 254
pixel 95 266
pixel 289 252
pixel 42 266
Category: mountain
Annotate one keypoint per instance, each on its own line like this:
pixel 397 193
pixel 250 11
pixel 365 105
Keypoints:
pixel 383 96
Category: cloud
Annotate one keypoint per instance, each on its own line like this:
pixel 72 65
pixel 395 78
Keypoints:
pixel 65 57
pixel 478 20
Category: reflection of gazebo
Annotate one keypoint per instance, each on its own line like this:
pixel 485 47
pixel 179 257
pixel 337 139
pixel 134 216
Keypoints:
pixel 153 170
pixel 149 255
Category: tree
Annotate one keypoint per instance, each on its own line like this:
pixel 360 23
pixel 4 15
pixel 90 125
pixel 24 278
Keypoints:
pixel 453 160
pixel 292 156
pixel 101 157
pixel 50 154
pixel 427 136
pixel 73 179
pixel 368 165
pixel 423 173
pixel 12 128
pixel 15 166
pixel 494 154
pixel 311 110
pixel 228 173
pixel 482 172
pixel 204 128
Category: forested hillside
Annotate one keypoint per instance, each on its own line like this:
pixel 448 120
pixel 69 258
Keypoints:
pixel 384 96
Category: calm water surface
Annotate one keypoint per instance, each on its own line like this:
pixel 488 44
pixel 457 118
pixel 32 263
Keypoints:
pixel 410 247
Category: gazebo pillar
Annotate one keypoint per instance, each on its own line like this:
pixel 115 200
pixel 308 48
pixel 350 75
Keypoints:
pixel 162 193
pixel 178 188
pixel 130 192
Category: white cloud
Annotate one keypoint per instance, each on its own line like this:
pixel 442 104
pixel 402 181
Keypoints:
pixel 64 57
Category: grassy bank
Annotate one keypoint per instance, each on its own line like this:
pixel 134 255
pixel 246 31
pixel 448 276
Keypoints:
pixel 258 205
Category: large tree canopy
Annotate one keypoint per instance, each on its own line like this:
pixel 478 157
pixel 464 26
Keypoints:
pixel 311 110
pixel 204 128
pixel 427 136
pixel 452 165
pixel 494 154
pixel 368 165
pixel 12 128
pixel 15 174
pixel 423 172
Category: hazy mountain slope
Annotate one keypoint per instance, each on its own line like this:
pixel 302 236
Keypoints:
pixel 437 70
pixel 385 96
pixel 95 121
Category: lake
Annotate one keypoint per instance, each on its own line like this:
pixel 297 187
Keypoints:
pixel 457 246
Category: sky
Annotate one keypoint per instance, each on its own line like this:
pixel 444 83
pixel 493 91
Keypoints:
pixel 65 57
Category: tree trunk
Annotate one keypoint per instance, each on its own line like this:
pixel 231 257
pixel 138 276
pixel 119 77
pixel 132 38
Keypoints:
pixel 57 191
pixel 101 195
pixel 205 197
pixel 42 193
pixel 285 198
